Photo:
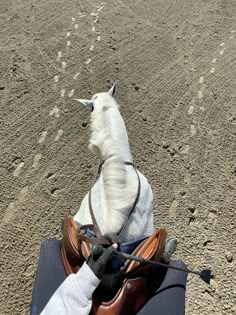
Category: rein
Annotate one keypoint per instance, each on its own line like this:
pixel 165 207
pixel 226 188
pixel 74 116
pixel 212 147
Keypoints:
pixel 100 239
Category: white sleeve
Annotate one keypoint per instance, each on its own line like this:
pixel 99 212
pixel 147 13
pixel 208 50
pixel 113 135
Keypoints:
pixel 74 296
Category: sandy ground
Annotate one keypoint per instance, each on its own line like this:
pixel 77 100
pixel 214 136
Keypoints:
pixel 176 65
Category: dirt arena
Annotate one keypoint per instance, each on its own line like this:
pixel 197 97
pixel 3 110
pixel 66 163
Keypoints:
pixel 175 63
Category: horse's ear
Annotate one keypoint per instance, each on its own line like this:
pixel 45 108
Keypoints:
pixel 86 103
pixel 112 90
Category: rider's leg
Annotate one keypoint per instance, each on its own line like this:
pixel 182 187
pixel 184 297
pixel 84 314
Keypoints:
pixel 50 274
pixel 170 297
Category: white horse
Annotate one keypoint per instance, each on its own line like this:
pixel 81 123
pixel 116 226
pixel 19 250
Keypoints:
pixel 113 194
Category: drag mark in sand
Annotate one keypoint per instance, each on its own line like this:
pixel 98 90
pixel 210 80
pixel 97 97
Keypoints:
pixel 71 93
pixel 222 52
pixel 63 92
pixel 173 208
pixel 88 61
pixel 55 112
pixel 212 70
pixel 191 109
pixel 37 158
pixel 23 193
pixel 17 171
pixel 13 205
pixel 63 65
pixel 81 14
pixel 43 137
pixel 59 134
pixel 56 78
pixel 75 77
pixel 59 55
pixel 193 130
pixel 9 213
pixel 200 94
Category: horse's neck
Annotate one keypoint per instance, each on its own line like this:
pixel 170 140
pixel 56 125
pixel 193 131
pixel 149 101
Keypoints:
pixel 140 222
pixel 116 125
pixel 115 191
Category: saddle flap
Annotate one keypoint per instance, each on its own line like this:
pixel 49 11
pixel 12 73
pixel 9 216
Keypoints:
pixel 151 248
pixel 140 281
pixel 127 301
pixel 74 251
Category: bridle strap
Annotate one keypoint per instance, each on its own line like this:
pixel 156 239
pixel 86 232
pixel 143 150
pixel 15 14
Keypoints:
pixel 96 229
pixel 93 240
pixel 136 199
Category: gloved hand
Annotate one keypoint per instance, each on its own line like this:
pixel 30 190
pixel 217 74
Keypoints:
pixel 98 259
pixel 112 237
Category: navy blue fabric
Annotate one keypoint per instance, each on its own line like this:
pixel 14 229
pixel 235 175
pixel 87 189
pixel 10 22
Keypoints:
pixel 128 248
pixel 169 299
pixel 49 276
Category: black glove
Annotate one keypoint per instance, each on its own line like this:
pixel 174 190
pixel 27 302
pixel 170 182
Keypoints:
pixel 112 237
pixel 98 259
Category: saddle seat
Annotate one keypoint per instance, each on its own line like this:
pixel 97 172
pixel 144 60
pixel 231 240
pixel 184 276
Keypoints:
pixel 140 281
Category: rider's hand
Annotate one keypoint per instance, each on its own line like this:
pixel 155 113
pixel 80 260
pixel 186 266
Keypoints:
pixel 98 259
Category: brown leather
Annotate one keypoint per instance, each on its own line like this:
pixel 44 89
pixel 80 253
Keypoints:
pixel 151 248
pixel 135 201
pixel 139 282
pixel 127 301
pixel 74 252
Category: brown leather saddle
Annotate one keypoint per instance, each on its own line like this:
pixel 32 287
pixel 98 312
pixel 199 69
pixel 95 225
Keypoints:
pixel 139 282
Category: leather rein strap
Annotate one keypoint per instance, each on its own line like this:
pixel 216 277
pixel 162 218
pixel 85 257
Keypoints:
pixel 100 239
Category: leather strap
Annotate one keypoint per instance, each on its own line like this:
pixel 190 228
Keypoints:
pixel 135 201
pixel 95 241
pixel 96 229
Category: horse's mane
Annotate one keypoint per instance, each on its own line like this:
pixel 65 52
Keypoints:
pixel 119 195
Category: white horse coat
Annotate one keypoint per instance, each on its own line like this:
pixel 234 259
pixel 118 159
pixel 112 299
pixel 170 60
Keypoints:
pixel 114 193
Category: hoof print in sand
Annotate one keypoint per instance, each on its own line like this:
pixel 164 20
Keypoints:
pixel 30 271
pixel 212 217
pixel 55 192
pixel 192 209
pixel 192 220
pixel 229 257
pixel 50 175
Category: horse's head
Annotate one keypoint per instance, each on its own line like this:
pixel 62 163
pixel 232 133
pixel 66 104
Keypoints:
pixel 99 99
